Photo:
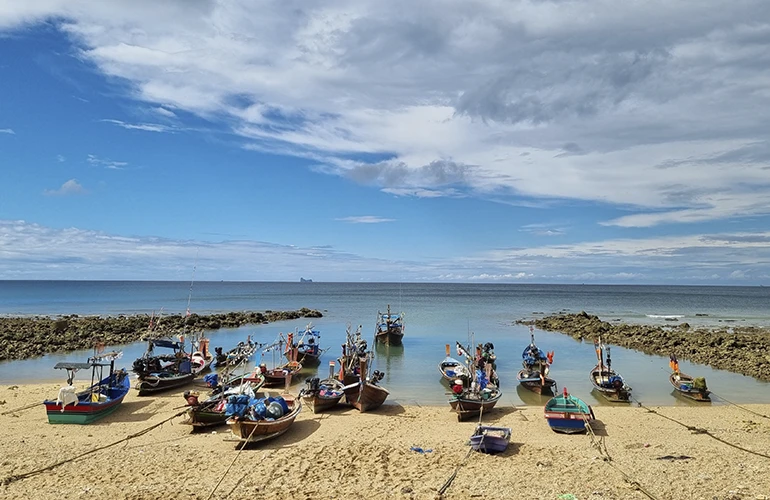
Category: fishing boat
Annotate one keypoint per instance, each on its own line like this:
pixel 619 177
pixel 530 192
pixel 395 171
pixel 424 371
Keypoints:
pixel 490 439
pixel 568 414
pixel 103 397
pixel 239 354
pixel 472 397
pixel 370 396
pixel 280 375
pixel 201 358
pixel 266 418
pixel 308 347
pixel 164 371
pixel 605 380
pixel 211 411
pixel 452 369
pixel 322 395
pixel 687 386
pixel 389 328
pixel 361 389
pixel 535 368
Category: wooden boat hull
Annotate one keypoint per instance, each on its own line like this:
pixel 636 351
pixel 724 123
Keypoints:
pixel 616 394
pixel 370 397
pixel 308 359
pixel 683 386
pixel 320 404
pixel 468 408
pixel 202 418
pixel 531 381
pixel 251 431
pixel 86 411
pixel 491 440
pixel 392 337
pixel 153 384
pixel 567 415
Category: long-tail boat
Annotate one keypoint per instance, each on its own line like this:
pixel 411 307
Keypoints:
pixel 164 371
pixel 452 369
pixel 687 386
pixel 322 395
pixel 605 380
pixel 535 368
pixel 389 328
pixel 281 375
pixel 568 414
pixel 361 389
pixel 471 397
pixel 251 426
pixel 103 397
pixel 308 347
pixel 239 354
pixel 211 411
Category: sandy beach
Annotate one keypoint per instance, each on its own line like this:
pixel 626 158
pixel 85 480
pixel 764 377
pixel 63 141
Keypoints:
pixel 345 454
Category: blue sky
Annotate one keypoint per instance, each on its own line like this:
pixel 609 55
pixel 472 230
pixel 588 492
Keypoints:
pixel 502 141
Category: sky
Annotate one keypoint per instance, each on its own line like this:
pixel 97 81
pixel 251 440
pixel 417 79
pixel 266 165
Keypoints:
pixel 352 140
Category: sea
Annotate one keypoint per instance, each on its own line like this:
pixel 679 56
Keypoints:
pixel 435 314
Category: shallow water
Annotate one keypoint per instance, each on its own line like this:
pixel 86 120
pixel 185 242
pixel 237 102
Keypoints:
pixel 435 314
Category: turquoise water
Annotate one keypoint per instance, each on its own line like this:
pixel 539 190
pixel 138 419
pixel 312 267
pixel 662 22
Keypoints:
pixel 435 314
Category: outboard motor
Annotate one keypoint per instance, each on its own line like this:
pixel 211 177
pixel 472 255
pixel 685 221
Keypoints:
pixel 376 377
pixel 312 384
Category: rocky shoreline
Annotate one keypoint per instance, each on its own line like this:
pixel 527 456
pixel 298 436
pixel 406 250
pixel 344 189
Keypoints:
pixel 27 337
pixel 743 350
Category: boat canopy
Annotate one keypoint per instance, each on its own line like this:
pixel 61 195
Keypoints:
pixel 65 365
pixel 173 344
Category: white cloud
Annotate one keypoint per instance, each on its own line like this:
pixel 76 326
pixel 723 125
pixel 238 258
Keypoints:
pixel 365 219
pixel 651 106
pixel 7 131
pixel 61 158
pixel 164 112
pixel 70 187
pixel 106 163
pixel 32 251
pixel 147 127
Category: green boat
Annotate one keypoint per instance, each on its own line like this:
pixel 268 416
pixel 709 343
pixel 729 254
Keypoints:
pixel 103 397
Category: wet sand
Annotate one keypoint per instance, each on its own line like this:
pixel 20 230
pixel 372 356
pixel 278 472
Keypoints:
pixel 345 454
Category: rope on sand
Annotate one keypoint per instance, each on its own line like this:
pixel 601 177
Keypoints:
pixel 16 477
pixel 452 476
pixel 240 449
pixel 601 446
pixel 741 407
pixel 698 430
pixel 14 410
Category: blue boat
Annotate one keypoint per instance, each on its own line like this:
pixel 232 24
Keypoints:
pixel 488 439
pixel 103 397
pixel 568 414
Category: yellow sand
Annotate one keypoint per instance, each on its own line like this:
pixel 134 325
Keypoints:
pixel 345 454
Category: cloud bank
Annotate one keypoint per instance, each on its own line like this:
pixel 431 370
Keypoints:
pixel 648 106
pixel 32 251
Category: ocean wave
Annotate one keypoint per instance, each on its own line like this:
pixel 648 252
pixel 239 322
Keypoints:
pixel 665 316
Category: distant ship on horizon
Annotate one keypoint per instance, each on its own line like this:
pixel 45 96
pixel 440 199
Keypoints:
pixel 303 280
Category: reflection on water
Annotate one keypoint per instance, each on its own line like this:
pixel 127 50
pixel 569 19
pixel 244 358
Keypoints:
pixel 411 372
pixel 530 398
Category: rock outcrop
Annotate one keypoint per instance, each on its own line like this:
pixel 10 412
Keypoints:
pixel 26 337
pixel 741 350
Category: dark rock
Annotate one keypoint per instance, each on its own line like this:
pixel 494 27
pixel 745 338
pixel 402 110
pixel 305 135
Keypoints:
pixel 741 351
pixel 27 337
